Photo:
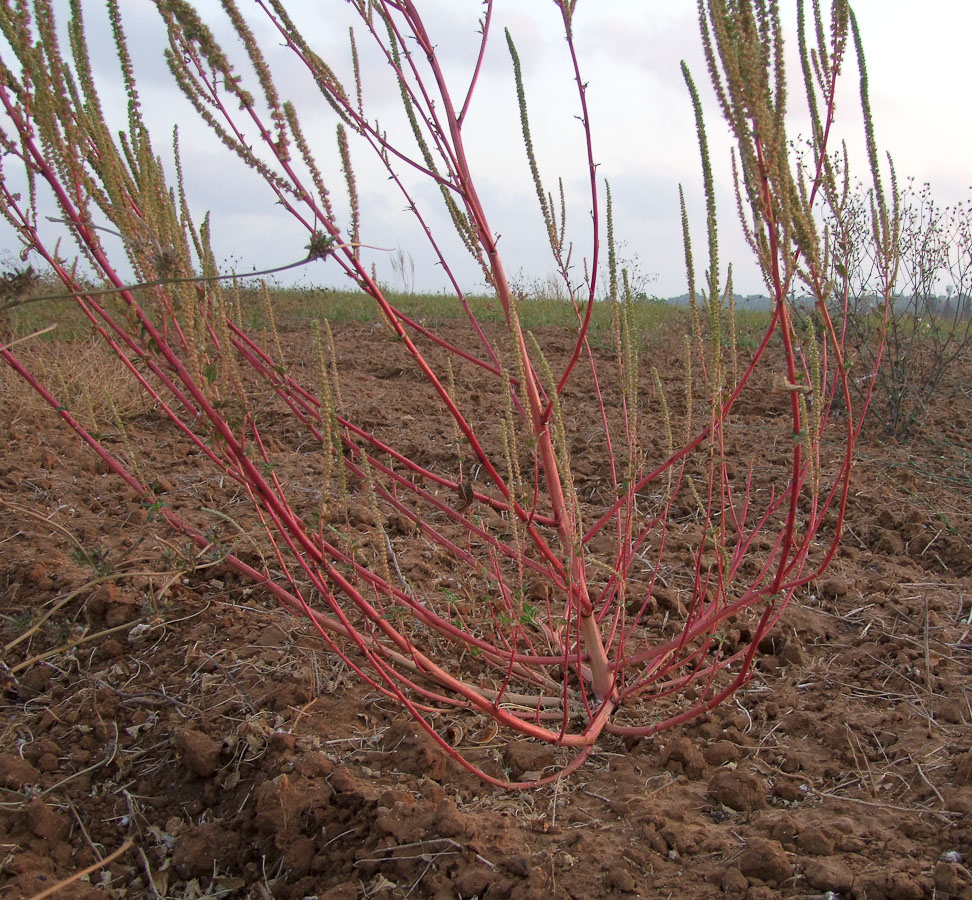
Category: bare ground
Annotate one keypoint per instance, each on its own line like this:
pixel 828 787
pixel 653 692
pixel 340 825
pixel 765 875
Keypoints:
pixel 188 713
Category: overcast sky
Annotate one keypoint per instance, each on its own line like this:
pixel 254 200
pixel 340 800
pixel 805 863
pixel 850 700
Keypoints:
pixel 644 133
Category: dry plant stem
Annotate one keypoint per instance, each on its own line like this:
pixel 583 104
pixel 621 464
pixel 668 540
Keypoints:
pixel 27 337
pixel 63 601
pixel 127 844
pixel 71 644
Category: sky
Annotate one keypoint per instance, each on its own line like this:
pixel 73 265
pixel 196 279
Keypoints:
pixel 642 122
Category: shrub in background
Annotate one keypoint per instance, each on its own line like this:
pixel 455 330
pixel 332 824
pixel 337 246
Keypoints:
pixel 927 326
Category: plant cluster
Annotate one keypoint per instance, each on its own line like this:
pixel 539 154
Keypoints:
pixel 560 617
pixel 905 349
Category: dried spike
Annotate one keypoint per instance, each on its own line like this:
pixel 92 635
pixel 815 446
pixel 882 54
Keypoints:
pixel 349 180
pixel 272 322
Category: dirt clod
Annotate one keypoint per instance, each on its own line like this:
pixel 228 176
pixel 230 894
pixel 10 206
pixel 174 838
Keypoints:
pixel 721 752
pixel 828 875
pixel 16 772
pixel 448 820
pixel 524 757
pixel 620 879
pixel 472 881
pixel 834 587
pixel 948 878
pixel 199 752
pixel 45 823
pixel 683 756
pixel 815 841
pixel 733 882
pixel 346 891
pixel 766 860
pixel 201 847
pixel 738 790
pixel 888 886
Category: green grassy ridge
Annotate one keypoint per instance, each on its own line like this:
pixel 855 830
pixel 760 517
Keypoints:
pixel 294 308
pixel 534 312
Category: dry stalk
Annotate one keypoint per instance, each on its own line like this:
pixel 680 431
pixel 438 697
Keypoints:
pixel 126 845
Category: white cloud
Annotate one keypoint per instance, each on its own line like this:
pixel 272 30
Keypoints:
pixel 642 121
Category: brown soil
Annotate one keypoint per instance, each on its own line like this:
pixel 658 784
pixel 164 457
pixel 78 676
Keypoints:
pixel 246 761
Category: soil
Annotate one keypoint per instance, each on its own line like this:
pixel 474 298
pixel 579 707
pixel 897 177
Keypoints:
pixel 189 713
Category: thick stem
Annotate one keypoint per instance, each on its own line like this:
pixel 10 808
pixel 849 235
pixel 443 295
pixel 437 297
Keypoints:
pixel 578 596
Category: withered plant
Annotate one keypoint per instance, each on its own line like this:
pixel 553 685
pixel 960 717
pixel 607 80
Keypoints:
pixel 559 615
pixel 927 326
